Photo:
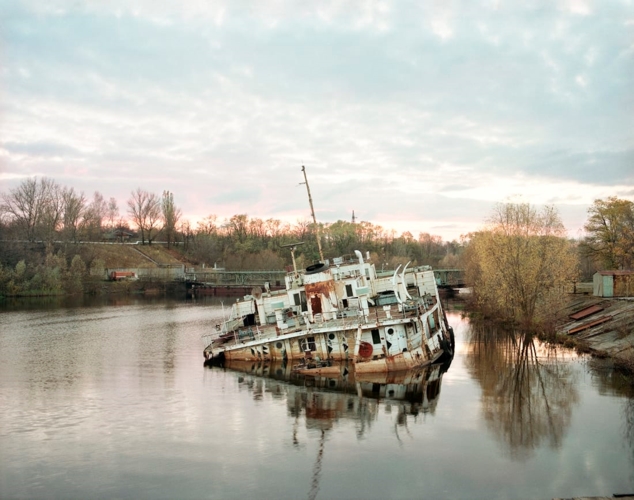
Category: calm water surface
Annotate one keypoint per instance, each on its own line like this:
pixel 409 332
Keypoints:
pixel 113 401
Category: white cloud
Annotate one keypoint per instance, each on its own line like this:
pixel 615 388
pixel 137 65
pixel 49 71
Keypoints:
pixel 579 7
pixel 436 110
pixel 581 81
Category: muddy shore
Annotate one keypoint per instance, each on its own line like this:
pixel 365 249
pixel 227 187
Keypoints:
pixel 603 327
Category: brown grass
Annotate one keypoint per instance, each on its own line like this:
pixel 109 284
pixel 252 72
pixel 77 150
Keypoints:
pixel 122 256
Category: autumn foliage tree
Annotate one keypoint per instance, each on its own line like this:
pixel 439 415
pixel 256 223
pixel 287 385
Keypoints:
pixel 520 264
pixel 610 233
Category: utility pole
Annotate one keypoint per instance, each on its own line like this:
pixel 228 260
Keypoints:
pixel 312 211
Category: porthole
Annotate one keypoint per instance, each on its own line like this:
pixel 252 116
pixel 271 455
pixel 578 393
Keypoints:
pixel 331 336
pixel 278 345
pixel 390 331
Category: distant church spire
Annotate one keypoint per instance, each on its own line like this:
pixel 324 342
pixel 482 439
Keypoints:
pixel 354 219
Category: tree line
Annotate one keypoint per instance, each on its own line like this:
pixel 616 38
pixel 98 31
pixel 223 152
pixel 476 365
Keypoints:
pixel 41 210
pixel 518 264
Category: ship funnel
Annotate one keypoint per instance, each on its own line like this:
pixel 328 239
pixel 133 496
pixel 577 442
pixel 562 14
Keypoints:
pixel 358 254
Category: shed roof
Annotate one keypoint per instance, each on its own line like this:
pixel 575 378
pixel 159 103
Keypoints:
pixel 616 272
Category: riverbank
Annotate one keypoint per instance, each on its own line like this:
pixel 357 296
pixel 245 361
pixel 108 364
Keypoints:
pixel 600 326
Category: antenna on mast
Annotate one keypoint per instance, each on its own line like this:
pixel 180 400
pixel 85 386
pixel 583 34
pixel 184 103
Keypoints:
pixel 293 246
pixel 312 211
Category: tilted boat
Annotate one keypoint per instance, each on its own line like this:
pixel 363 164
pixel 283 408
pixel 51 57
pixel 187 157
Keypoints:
pixel 342 311
pixel 339 311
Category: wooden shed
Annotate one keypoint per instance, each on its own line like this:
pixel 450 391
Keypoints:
pixel 613 284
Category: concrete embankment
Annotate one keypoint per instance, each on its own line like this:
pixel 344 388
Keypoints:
pixel 604 327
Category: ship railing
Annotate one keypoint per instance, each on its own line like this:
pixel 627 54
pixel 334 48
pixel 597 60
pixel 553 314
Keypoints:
pixel 231 325
pixel 209 338
pixel 240 335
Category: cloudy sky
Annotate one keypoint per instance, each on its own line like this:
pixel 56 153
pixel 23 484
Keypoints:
pixel 417 115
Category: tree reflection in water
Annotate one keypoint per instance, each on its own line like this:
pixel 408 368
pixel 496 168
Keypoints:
pixel 629 427
pixel 528 393
pixel 613 382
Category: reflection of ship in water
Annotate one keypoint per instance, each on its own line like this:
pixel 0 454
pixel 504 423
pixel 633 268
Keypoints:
pixel 325 399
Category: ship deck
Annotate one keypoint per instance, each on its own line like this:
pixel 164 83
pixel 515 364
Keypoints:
pixel 349 320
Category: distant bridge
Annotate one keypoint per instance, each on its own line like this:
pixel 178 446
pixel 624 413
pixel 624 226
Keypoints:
pixel 447 278
pixel 450 278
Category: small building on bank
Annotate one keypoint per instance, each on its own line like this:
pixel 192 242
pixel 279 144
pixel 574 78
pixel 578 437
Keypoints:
pixel 613 284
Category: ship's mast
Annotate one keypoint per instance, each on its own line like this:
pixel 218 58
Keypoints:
pixel 312 211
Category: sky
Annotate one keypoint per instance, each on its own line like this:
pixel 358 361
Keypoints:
pixel 418 116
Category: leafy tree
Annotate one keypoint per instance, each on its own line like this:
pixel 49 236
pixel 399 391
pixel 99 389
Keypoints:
pixel 73 282
pixel 237 226
pixel 55 267
pixel 610 229
pixel 519 265
pixel 98 268
pixel 341 237
pixel 171 214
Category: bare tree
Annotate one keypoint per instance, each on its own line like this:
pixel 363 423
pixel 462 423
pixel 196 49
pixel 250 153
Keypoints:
pixel 33 207
pixel 94 217
pixel 208 226
pixel 53 215
pixel 145 210
pixel 171 215
pixel 113 213
pixel 74 208
pixel 187 232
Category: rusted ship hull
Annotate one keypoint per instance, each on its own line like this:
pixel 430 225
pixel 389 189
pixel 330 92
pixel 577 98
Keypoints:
pixel 381 346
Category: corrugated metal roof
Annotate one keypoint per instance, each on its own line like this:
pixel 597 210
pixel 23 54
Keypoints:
pixel 583 313
pixel 589 324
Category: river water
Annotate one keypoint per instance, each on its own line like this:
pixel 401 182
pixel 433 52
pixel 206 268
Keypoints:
pixel 111 400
